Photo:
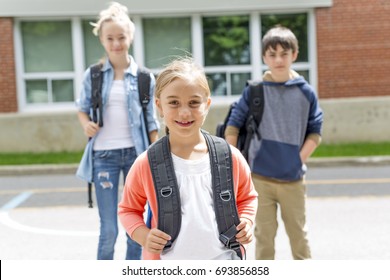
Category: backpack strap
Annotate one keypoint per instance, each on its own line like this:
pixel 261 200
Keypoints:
pixel 144 94
pixel 97 104
pixel 97 107
pixel 256 107
pixel 166 188
pixel 223 191
pixel 255 114
pixel 168 196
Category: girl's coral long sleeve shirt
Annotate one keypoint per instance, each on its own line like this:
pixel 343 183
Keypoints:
pixel 139 189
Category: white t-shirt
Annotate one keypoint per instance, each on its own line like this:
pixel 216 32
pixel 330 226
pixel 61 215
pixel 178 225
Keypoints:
pixel 198 236
pixel 115 133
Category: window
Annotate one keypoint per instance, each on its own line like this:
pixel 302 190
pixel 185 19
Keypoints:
pixel 47 52
pixel 165 38
pixel 42 42
pixel 94 51
pixel 226 44
pixel 219 83
pixel 38 91
pixel 226 40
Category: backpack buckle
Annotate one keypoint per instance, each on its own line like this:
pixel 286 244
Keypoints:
pixel 234 245
pixel 95 75
pixel 168 245
pixel 225 195
pixel 228 238
pixel 166 191
pixel 145 101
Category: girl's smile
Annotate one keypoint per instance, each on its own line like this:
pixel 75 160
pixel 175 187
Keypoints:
pixel 184 124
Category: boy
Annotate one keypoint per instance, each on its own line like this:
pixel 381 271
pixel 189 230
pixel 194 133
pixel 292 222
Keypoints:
pixel 290 132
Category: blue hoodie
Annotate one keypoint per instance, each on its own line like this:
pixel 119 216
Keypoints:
pixel 291 113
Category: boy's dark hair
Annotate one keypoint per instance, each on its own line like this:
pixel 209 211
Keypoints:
pixel 282 36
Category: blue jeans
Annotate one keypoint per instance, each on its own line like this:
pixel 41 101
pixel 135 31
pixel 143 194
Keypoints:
pixel 107 167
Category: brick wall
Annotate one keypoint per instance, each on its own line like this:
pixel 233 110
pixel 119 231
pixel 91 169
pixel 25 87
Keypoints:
pixel 8 99
pixel 353 41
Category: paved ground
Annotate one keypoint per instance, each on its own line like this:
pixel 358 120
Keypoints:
pixel 340 227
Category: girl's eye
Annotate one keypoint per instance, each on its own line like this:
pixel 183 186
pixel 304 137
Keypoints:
pixel 173 102
pixel 194 102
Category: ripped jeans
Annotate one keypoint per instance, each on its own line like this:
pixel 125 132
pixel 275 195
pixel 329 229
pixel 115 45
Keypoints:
pixel 107 167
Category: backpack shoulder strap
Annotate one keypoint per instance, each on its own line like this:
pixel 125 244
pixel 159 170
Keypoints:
pixel 166 188
pixel 256 100
pixel 97 104
pixel 223 191
pixel 97 107
pixel 255 114
pixel 144 94
pixel 168 196
pixel 144 86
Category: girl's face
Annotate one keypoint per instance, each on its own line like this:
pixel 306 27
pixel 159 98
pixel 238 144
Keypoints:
pixel 115 38
pixel 279 62
pixel 184 107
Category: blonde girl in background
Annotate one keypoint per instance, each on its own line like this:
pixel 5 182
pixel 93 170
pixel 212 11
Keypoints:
pixel 114 147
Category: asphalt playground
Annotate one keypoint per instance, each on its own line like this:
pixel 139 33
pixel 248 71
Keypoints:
pixel 44 216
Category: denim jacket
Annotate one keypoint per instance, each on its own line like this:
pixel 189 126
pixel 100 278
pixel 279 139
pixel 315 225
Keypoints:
pixel 135 116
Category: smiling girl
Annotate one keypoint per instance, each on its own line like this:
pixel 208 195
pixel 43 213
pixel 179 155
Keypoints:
pixel 183 101
pixel 114 146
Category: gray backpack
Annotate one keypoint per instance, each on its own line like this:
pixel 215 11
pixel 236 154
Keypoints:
pixel 168 196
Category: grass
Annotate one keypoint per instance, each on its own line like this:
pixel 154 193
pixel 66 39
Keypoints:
pixel 40 158
pixel 353 149
pixel 324 150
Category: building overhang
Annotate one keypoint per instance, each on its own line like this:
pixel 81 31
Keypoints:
pixel 22 8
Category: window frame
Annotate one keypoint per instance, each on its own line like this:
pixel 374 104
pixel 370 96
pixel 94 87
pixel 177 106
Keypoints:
pixel 76 75
pixel 256 67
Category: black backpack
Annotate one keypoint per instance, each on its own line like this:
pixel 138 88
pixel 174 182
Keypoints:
pixel 97 104
pixel 168 196
pixel 256 108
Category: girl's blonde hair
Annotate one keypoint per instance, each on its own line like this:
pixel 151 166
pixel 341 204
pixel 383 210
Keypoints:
pixel 185 69
pixel 117 13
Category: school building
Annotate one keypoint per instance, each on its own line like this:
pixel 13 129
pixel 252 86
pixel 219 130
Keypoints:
pixel 46 45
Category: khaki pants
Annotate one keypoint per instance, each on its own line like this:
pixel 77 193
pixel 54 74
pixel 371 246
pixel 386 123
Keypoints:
pixel 291 197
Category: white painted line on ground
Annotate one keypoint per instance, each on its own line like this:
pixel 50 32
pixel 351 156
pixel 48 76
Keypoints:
pixel 6 220
pixel 16 201
pixel 348 181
